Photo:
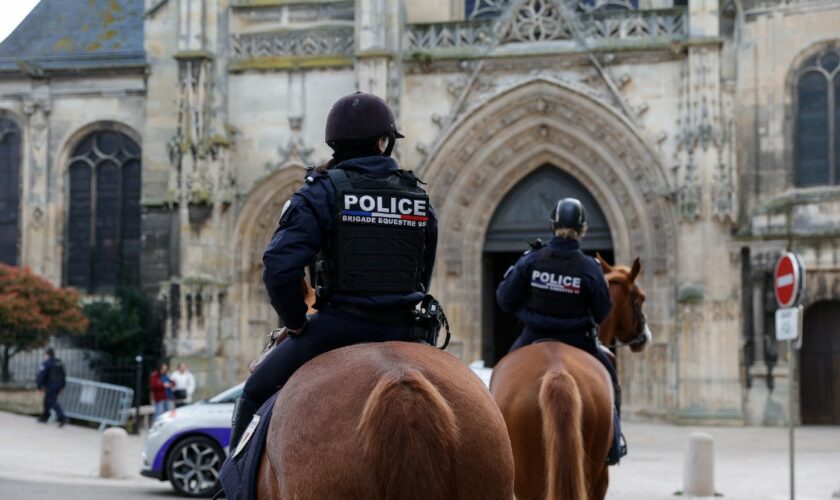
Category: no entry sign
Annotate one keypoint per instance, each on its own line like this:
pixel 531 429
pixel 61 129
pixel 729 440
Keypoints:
pixel 788 280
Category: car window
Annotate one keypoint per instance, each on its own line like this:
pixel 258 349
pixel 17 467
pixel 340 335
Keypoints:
pixel 229 396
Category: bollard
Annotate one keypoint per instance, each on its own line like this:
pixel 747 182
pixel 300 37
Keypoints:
pixel 699 471
pixel 114 459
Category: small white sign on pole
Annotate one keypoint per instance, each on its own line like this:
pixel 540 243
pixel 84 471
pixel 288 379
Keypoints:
pixel 787 323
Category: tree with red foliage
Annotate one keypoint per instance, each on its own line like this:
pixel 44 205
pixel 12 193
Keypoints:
pixel 31 310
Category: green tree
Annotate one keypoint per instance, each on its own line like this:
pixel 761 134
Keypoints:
pixel 31 310
pixel 120 329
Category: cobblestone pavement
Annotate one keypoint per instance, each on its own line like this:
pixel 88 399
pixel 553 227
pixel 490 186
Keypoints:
pixel 43 461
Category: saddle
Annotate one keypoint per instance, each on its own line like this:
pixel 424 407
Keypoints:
pixel 239 472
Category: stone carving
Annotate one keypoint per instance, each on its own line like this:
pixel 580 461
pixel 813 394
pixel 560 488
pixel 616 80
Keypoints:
pixel 537 21
pixel 448 36
pixel 198 151
pixel 540 21
pixel 705 139
pixel 295 149
pixel 314 42
pixel 484 9
pixel 37 220
pixel 38 113
pixel 641 164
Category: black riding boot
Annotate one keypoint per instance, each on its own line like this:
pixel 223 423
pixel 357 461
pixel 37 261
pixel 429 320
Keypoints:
pixel 243 412
pixel 619 445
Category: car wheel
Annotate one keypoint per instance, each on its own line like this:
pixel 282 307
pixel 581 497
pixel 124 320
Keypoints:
pixel 193 466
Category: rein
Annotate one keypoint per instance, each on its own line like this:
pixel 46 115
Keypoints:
pixel 638 318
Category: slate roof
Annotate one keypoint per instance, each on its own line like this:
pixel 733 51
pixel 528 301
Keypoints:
pixel 76 35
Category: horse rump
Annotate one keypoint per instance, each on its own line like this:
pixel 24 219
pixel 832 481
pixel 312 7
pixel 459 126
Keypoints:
pixel 410 436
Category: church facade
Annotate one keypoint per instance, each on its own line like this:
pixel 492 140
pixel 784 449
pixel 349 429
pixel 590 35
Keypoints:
pixel 155 142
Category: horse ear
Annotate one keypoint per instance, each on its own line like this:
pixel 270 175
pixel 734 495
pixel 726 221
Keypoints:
pixel 636 270
pixel 604 266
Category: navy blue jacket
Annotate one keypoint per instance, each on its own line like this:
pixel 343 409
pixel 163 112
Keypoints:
pixel 305 228
pixel 513 293
pixel 50 378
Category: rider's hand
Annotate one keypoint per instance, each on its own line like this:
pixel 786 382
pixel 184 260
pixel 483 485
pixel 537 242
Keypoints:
pixel 295 332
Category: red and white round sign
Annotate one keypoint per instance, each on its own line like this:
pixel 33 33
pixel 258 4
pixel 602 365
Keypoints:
pixel 788 279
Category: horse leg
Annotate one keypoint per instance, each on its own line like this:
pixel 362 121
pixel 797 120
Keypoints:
pixel 599 491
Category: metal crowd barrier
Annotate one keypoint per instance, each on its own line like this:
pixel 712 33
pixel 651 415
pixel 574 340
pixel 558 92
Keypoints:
pixel 107 404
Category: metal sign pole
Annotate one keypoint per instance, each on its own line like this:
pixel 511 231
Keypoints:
pixel 788 286
pixel 791 385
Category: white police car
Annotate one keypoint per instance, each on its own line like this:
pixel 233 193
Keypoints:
pixel 188 447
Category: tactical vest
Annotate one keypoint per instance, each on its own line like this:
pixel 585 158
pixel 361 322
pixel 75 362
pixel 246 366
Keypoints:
pixel 55 374
pixel 558 287
pixel 379 237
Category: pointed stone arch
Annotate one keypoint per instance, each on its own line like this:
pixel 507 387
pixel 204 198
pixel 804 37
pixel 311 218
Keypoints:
pixel 254 226
pixel 510 135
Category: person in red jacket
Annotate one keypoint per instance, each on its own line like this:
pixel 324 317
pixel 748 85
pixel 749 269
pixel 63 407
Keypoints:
pixel 161 388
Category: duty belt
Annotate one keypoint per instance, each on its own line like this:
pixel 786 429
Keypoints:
pixel 382 316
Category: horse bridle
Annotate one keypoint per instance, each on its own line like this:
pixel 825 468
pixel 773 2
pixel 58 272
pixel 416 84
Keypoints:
pixel 638 318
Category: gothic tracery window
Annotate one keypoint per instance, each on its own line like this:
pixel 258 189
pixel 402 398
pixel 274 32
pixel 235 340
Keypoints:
pixel 103 223
pixel 817 137
pixel 9 190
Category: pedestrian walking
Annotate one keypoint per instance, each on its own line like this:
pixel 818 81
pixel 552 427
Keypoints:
pixel 51 380
pixel 161 387
pixel 184 385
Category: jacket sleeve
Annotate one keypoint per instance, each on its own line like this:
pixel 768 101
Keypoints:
pixel 513 290
pixel 41 379
pixel 431 250
pixel 297 240
pixel 601 300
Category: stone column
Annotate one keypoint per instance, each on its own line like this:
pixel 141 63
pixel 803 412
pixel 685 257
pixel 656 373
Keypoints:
pixel 378 48
pixel 709 305
pixel 36 251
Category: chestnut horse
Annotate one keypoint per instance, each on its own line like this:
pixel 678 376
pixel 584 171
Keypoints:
pixel 557 402
pixel 391 420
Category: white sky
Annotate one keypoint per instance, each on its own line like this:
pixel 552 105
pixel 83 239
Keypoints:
pixel 12 13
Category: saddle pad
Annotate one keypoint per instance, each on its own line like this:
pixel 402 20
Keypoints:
pixel 239 472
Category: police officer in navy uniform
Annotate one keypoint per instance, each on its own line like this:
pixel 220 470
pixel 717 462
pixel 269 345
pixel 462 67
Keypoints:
pixel 51 379
pixel 559 293
pixel 368 234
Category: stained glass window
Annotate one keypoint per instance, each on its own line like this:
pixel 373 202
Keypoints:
pixel 103 223
pixel 9 190
pixel 817 134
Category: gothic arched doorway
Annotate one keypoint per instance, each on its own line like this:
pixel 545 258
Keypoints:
pixel 522 216
pixel 820 364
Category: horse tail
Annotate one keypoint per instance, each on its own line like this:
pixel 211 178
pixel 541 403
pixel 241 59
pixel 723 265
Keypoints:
pixel 410 436
pixel 562 412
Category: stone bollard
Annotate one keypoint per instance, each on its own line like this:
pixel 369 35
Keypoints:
pixel 114 457
pixel 699 468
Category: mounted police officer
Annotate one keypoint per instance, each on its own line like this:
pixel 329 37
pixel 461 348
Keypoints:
pixel 368 234
pixel 51 379
pixel 559 293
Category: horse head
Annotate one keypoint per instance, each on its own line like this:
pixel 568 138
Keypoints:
pixel 626 325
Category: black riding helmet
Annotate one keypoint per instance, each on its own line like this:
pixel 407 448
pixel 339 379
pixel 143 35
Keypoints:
pixel 569 213
pixel 360 118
